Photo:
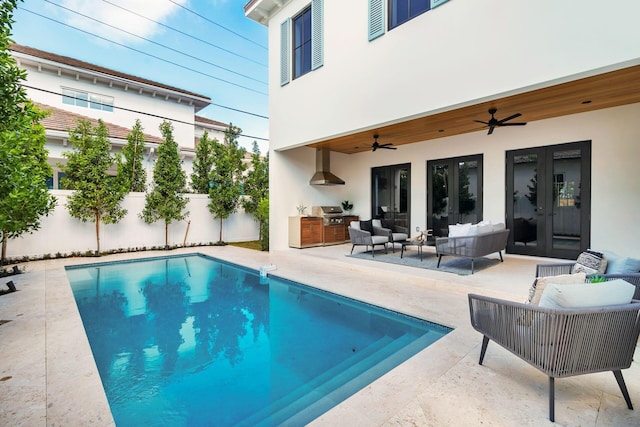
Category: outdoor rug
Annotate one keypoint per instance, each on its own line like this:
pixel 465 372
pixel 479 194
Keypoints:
pixel 449 264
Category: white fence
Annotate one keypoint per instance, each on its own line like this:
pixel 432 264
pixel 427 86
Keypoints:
pixel 60 233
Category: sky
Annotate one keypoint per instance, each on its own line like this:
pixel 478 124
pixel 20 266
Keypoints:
pixel 204 46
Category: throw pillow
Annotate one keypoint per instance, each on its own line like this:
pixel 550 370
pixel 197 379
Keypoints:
pixel 376 223
pixel 459 230
pixel 617 264
pixel 614 292
pixel 536 290
pixel 590 262
pixel 355 224
pixel 366 226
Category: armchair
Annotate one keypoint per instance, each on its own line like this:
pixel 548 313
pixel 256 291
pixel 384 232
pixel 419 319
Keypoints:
pixel 561 342
pixel 366 238
pixel 394 233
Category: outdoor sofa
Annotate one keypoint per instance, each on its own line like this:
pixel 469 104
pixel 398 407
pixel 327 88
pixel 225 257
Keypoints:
pixel 473 242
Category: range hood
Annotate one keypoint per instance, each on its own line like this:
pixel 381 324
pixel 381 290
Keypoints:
pixel 323 176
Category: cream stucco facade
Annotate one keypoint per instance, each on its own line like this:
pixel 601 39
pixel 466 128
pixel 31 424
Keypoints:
pixel 458 54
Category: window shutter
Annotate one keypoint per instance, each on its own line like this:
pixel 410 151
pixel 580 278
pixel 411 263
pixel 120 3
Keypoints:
pixel 436 3
pixel 285 52
pixel 317 42
pixel 376 19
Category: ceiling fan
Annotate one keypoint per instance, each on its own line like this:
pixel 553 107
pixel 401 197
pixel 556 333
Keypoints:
pixel 377 145
pixel 493 122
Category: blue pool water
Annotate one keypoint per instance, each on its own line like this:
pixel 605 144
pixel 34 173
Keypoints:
pixel 193 341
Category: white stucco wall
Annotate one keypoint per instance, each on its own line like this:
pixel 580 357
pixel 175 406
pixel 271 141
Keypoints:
pixel 615 177
pixel 62 233
pixel 458 53
pixel 181 115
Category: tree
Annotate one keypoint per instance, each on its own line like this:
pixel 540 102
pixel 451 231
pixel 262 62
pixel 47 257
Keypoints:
pixel 98 195
pixel 256 186
pixel 24 198
pixel 131 169
pixel 226 176
pixel 203 164
pixel 165 201
pixel 262 214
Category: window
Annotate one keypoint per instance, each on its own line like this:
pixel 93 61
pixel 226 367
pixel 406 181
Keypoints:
pixel 401 11
pixel 87 100
pixel 302 43
pixel 398 11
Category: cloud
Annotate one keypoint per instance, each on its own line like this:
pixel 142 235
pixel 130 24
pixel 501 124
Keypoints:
pixel 158 10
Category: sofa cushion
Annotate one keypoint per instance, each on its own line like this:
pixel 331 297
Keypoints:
pixel 614 292
pixel 536 290
pixel 376 223
pixel 366 226
pixel 617 264
pixel 355 224
pixel 590 262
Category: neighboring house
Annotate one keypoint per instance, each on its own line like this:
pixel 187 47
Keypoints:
pixel 71 89
pixel 423 77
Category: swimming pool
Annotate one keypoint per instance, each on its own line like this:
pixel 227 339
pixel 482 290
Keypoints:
pixel 191 340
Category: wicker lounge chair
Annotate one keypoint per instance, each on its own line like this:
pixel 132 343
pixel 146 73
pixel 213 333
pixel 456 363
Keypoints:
pixel 362 237
pixel 561 342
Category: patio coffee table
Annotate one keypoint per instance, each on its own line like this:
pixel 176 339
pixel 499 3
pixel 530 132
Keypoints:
pixel 419 243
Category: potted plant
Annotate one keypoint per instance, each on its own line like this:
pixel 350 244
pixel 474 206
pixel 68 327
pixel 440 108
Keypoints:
pixel 347 206
pixel 301 208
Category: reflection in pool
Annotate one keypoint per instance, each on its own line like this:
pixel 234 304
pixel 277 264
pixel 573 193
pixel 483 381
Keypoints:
pixel 193 341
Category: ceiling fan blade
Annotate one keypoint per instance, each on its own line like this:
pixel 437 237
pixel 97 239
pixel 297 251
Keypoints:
pixel 491 130
pixel 513 124
pixel 388 148
pixel 480 121
pixel 375 147
pixel 506 119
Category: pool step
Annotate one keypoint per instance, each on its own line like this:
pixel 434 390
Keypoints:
pixel 336 384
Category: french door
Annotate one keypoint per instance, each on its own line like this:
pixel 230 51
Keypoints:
pixel 390 190
pixel 454 192
pixel 549 200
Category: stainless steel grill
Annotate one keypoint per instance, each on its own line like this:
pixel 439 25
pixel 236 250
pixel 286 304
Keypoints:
pixel 331 215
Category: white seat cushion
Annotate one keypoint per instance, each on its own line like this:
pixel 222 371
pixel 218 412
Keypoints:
pixel 399 237
pixel 613 292
pixel 377 239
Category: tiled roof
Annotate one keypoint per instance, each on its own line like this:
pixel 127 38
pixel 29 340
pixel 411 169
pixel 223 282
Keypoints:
pixel 63 120
pixel 88 66
pixel 200 119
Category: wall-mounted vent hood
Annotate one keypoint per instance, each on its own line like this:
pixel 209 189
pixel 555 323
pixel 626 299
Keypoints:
pixel 323 176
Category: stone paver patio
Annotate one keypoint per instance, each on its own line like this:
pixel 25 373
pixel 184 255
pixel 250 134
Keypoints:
pixel 48 376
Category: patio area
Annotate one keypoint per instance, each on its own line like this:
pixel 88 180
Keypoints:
pixel 48 376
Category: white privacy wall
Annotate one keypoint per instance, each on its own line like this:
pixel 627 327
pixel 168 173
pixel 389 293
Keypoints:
pixel 62 233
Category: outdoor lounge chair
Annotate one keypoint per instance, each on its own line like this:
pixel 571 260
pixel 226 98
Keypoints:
pixel 561 342
pixel 366 238
pixel 395 233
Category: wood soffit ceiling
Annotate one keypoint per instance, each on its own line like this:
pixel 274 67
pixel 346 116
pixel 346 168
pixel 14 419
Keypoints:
pixel 611 89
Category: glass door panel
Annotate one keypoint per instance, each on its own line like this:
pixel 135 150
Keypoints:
pixel 566 200
pixel 525 200
pixel 454 192
pixel 390 188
